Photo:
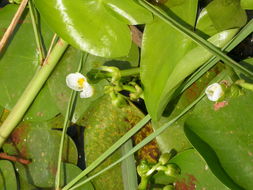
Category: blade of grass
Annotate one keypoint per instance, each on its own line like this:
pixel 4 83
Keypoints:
pixel 37 34
pixel 129 168
pixel 68 117
pixel 195 37
pixel 107 153
pixel 152 136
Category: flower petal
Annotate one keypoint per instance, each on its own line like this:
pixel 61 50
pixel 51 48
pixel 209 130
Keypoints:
pixel 87 92
pixel 214 92
pixel 76 81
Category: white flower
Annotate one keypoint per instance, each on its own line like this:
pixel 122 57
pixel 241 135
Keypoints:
pixel 78 82
pixel 214 92
pixel 87 91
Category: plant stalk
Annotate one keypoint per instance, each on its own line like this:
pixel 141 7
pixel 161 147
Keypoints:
pixel 41 50
pixel 31 91
pixel 13 24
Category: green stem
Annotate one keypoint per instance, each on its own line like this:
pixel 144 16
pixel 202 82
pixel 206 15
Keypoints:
pixel 36 33
pixel 68 117
pixel 130 72
pixel 195 37
pixel 108 152
pixel 65 126
pixel 31 91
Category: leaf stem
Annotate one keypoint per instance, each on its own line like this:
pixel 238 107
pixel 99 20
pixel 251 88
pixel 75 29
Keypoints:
pixel 195 37
pixel 13 24
pixel 68 117
pixel 41 50
pixel 31 91
pixel 130 72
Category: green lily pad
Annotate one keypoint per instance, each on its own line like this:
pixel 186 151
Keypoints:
pixel 19 63
pixel 101 35
pixel 40 144
pixel 227 129
pixel 7 176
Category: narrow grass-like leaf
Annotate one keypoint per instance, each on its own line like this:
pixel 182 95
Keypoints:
pixel 107 153
pixel 129 168
pixel 195 37
pixel 247 30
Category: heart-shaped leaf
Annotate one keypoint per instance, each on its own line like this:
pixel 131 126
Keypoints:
pixel 92 26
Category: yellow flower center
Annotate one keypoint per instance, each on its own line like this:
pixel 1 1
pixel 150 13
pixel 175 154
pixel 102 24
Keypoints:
pixel 81 82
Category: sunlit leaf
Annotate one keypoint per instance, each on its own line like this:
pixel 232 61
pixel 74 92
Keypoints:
pixel 92 26
pixel 221 15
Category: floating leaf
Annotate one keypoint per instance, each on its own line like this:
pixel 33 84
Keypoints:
pixel 227 128
pixel 7 176
pixel 92 26
pixel 40 144
pixel 19 63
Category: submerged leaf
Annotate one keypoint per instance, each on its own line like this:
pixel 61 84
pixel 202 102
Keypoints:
pixel 19 63
pixel 8 178
pixel 40 144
